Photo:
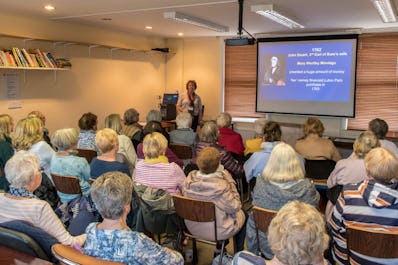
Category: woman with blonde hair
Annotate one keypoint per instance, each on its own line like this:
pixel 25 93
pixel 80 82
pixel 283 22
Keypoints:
pixel 155 170
pixel 313 146
pixel 126 148
pixel 282 181
pixel 28 135
pixel 107 142
pixel 297 235
pixel 6 150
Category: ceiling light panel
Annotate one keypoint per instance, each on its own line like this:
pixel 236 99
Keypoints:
pixel 269 12
pixel 184 18
pixel 385 9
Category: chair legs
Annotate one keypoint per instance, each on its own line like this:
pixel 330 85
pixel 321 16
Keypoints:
pixel 194 252
pixel 221 253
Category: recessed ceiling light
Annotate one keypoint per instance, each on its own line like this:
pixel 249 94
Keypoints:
pixel 106 19
pixel 148 27
pixel 49 7
pixel 180 34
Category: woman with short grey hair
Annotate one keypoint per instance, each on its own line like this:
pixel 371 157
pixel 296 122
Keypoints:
pixel 19 203
pixel 184 134
pixel 208 138
pixel 112 239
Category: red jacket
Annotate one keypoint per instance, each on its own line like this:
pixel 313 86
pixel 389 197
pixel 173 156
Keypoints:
pixel 231 140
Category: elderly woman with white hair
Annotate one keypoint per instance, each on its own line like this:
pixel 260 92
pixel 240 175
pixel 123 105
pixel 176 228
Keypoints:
pixel 19 203
pixel 254 145
pixel 66 163
pixel 228 137
pixel 184 134
pixel 282 181
pixel 297 235
pixel 112 239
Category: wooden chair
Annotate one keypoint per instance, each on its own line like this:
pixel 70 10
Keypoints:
pixel 372 243
pixel 198 211
pixel 69 256
pixel 262 219
pixel 88 154
pixel 182 151
pixel 66 184
pixel 319 169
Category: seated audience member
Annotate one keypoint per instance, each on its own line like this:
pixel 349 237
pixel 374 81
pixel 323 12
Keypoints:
pixel 372 203
pixel 296 235
pixel 132 129
pixel 271 137
pixel 155 116
pixel 184 134
pixel 6 149
pixel 209 135
pixel 126 148
pixel 350 170
pixel 19 203
pixel 107 143
pixel 211 182
pixel 112 239
pixel 380 128
pixel 313 146
pixel 88 127
pixel 66 163
pixel 155 171
pixel 151 127
pixel 254 145
pixel 28 136
pixel 230 139
pixel 282 181
pixel 40 115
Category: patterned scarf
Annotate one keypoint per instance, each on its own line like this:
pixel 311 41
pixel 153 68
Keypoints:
pixel 21 192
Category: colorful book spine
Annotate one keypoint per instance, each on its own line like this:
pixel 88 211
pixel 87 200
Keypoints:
pixel 16 57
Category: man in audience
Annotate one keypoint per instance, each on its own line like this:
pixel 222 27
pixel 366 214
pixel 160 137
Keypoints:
pixel 372 203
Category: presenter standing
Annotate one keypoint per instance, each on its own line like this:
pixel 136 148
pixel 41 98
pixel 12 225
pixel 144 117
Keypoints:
pixel 191 102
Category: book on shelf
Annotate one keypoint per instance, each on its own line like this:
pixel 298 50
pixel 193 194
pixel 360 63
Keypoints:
pixel 22 58
pixel 34 60
pixel 4 59
pixel 28 58
pixel 63 63
pixel 14 53
pixel 40 58
pixel 10 58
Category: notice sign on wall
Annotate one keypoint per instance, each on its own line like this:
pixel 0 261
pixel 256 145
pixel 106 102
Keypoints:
pixel 11 90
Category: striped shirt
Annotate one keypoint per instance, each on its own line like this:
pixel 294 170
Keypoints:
pixel 166 176
pixel 369 204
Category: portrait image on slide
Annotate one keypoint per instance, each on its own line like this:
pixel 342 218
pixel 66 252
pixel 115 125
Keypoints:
pixel 274 70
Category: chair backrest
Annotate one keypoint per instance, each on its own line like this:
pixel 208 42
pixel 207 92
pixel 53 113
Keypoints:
pixel 21 242
pixel 372 243
pixel 196 210
pixel 88 154
pixel 182 151
pixel 38 235
pixel 262 218
pixel 319 169
pixel 66 184
pixel 69 256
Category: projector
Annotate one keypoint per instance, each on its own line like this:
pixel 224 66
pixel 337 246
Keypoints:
pixel 240 42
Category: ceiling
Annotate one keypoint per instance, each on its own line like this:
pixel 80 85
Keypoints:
pixel 133 15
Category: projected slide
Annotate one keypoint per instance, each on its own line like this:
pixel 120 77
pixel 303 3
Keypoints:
pixel 318 71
